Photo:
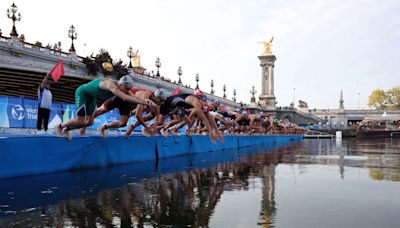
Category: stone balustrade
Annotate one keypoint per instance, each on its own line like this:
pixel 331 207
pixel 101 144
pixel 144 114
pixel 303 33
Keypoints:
pixel 15 54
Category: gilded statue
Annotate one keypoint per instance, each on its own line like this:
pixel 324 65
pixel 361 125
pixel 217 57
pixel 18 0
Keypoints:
pixel 267 47
pixel 136 59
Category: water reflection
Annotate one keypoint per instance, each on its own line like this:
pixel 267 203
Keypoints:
pixel 193 195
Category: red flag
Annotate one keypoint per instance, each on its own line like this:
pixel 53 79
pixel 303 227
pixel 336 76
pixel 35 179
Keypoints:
pixel 57 71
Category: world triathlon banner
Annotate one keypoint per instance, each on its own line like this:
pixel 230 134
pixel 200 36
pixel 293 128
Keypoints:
pixel 20 112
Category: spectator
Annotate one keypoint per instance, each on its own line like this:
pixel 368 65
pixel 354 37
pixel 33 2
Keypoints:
pixel 44 103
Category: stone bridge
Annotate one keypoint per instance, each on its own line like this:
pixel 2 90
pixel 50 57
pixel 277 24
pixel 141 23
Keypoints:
pixel 24 65
pixel 295 116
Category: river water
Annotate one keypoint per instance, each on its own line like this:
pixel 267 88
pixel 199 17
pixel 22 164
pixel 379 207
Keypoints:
pixel 308 183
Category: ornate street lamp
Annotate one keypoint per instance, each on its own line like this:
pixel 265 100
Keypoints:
pixel 73 35
pixel 11 13
pixel 234 95
pixel 224 89
pixel 158 65
pixel 129 53
pixel 212 87
pixel 253 91
pixel 179 74
pixel 197 81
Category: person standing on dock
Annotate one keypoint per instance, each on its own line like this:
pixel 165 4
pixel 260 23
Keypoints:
pixel 44 103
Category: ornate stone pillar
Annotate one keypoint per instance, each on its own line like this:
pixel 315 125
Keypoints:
pixel 267 97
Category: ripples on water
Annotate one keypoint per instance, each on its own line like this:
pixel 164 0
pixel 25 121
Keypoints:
pixel 310 183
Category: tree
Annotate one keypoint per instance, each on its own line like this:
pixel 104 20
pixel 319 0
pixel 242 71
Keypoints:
pixel 377 99
pixel 393 98
pixel 381 99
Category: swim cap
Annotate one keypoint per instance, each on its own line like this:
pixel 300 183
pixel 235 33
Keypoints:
pixel 126 80
pixel 160 94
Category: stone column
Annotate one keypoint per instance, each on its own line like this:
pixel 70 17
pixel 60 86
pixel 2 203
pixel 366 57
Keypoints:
pixel 267 97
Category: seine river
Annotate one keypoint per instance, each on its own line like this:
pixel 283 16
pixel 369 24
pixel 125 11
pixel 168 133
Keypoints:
pixel 309 183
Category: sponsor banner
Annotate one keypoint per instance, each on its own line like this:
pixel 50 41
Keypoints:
pixel 16 112
pixel 3 112
pixel 19 112
pixel 30 107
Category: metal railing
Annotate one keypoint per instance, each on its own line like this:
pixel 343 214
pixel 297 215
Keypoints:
pixel 317 134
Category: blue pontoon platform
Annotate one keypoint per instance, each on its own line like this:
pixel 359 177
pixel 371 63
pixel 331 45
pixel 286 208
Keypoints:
pixel 30 155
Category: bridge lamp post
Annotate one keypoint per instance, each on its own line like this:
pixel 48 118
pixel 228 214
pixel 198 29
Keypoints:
pixel 73 35
pixel 224 89
pixel 12 14
pixel 158 65
pixel 253 91
pixel 234 95
pixel 197 81
pixel 294 100
pixel 212 87
pixel 179 74
pixel 129 53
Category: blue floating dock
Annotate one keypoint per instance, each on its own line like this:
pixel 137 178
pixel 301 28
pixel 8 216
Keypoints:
pixel 30 155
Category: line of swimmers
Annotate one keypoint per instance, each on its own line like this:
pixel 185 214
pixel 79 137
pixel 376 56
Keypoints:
pixel 193 110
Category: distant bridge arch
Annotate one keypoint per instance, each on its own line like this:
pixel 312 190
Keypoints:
pixel 295 116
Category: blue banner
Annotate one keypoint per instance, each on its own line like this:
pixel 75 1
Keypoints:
pixel 20 112
pixel 3 112
pixel 16 112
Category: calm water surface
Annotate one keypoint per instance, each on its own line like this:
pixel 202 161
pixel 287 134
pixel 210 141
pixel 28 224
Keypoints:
pixel 310 183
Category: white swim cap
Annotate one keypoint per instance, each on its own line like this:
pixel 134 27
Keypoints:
pixel 126 80
pixel 160 94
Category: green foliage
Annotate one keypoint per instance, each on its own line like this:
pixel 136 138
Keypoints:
pixel 380 99
pixel 393 97
pixel 377 99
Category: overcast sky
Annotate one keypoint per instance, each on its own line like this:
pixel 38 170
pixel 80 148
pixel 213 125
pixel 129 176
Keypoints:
pixel 321 46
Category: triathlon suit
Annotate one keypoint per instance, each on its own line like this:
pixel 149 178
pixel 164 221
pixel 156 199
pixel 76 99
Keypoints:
pixel 86 97
pixel 265 124
pixel 123 107
pixel 180 112
pixel 226 112
pixel 174 101
pixel 135 90
pixel 215 114
pixel 256 117
pixel 245 121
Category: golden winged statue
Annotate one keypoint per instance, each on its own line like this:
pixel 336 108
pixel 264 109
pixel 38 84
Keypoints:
pixel 267 47
pixel 136 59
